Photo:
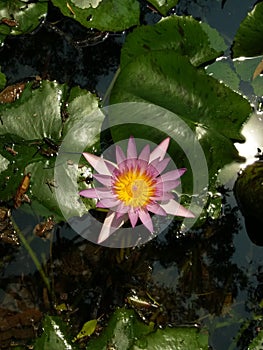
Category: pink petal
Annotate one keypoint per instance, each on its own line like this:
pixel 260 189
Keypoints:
pixel 160 165
pixel 167 185
pixel 106 180
pixel 145 153
pixel 174 208
pixel 110 225
pixel 146 219
pixel 162 196
pixel 131 150
pixel 101 165
pixel 133 216
pixel 160 151
pixel 96 193
pixel 108 203
pixel 120 156
pixel 156 209
pixel 173 174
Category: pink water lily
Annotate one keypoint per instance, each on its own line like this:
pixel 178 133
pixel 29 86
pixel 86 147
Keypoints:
pixel 134 186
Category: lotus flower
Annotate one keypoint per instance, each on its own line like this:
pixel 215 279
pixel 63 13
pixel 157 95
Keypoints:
pixel 134 186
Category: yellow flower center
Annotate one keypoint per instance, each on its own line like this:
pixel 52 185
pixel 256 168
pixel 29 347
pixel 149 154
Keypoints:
pixel 134 188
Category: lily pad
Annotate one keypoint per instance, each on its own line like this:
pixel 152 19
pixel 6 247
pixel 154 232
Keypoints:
pixel 163 6
pixel 181 34
pixel 20 17
pixel 109 15
pixel 248 39
pixel 31 134
pixel 126 332
pixel 213 111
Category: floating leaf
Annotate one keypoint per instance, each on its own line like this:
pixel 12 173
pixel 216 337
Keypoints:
pixel 181 34
pixel 248 39
pixel 31 134
pixel 19 17
pixel 163 6
pixel 126 332
pixel 213 111
pixel 113 15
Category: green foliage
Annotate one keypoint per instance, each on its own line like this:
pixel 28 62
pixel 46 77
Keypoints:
pixel 181 35
pixel 248 39
pixel 33 126
pixel 55 335
pixel 126 332
pixel 18 17
pixel 113 15
pixel 163 74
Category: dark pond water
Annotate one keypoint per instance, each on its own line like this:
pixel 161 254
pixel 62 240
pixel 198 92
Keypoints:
pixel 213 276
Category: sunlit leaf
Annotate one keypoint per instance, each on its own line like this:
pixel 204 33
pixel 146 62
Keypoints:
pixel 85 4
pixel 213 111
pixel 87 329
pixel 257 342
pixel 248 39
pixel 114 15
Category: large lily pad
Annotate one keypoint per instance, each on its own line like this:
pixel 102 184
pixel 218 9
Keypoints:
pixel 112 15
pixel 248 39
pixel 31 133
pixel 20 17
pixel 213 111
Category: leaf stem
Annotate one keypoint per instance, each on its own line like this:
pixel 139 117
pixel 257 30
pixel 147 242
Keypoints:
pixel 32 254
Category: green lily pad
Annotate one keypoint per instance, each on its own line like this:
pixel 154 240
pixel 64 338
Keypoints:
pixel 248 39
pixel 213 111
pixel 109 15
pixel 126 332
pixel 163 6
pixel 31 135
pixel 19 17
pixel 181 34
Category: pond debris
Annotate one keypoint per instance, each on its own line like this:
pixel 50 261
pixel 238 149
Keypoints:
pixel 7 232
pixel 20 195
pixel 45 228
pixel 12 92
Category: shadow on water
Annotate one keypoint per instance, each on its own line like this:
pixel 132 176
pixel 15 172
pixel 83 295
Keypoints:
pixel 211 276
